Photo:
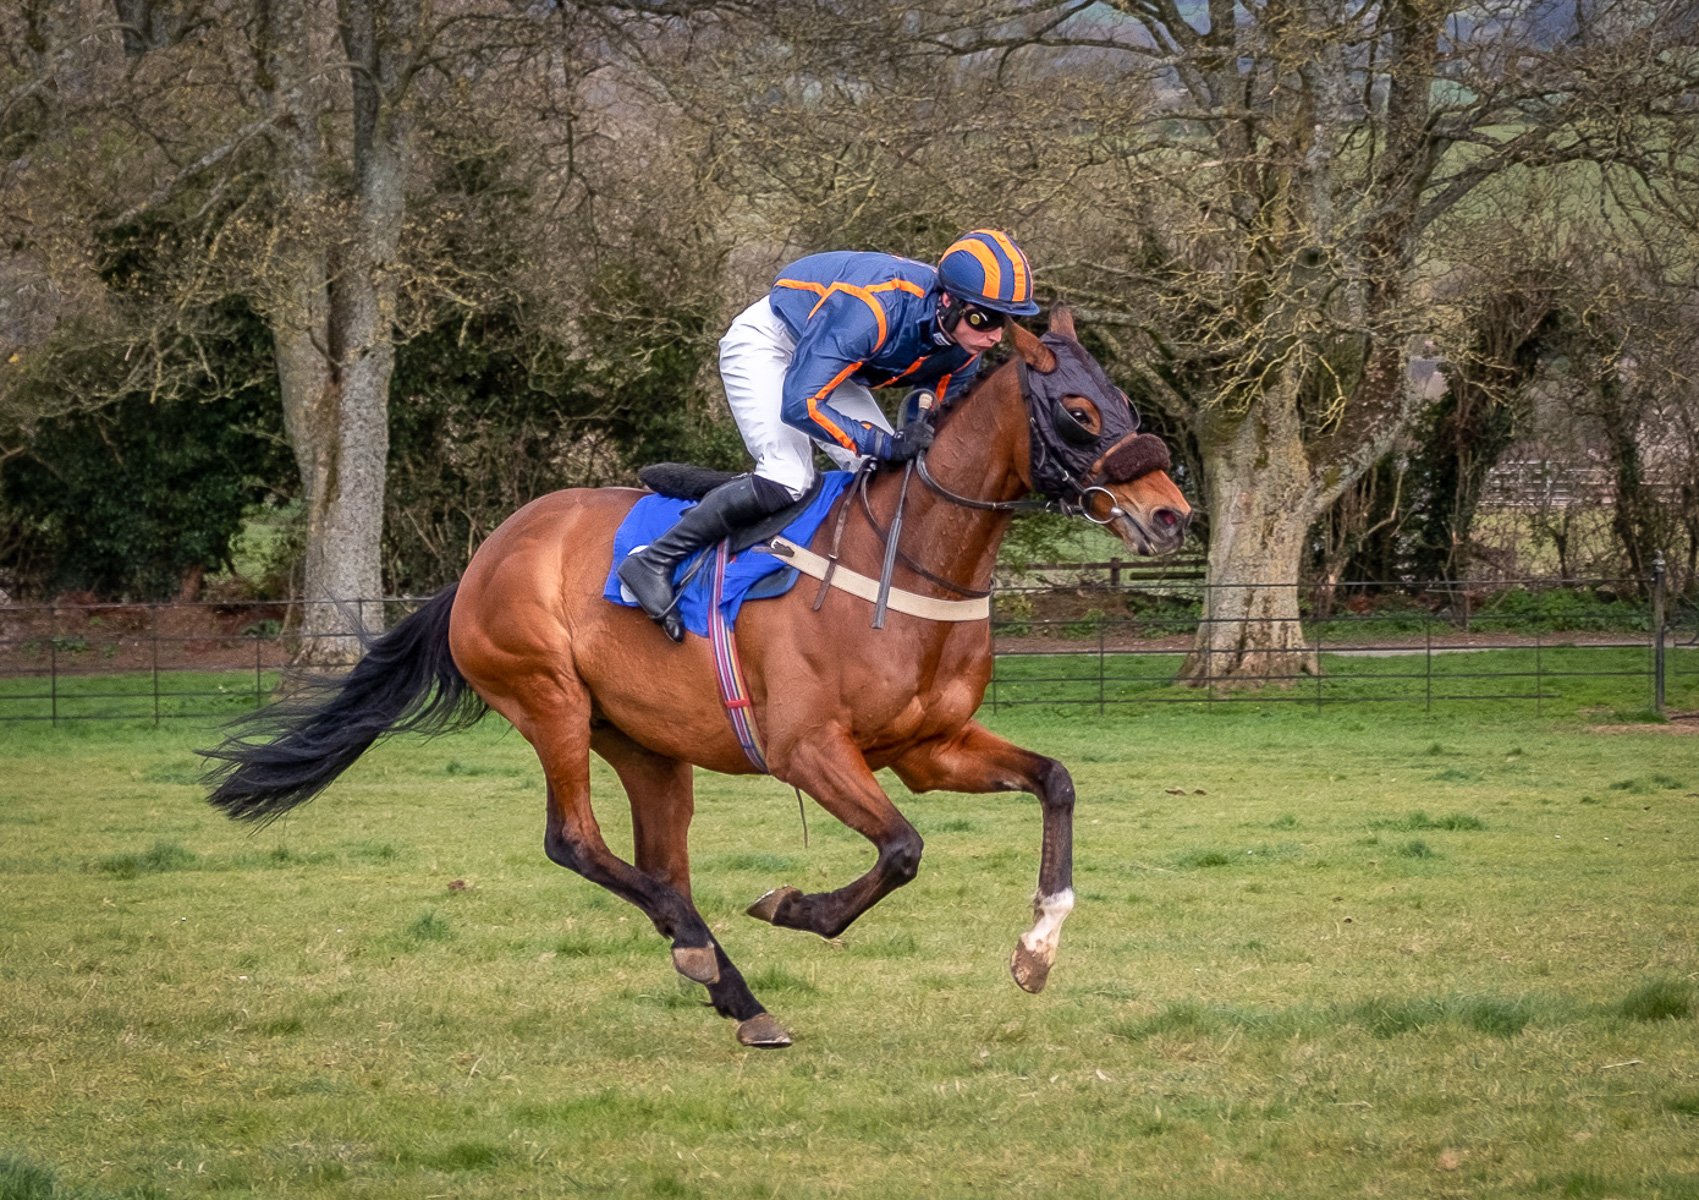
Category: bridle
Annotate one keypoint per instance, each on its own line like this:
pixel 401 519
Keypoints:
pixel 1066 467
pixel 1079 505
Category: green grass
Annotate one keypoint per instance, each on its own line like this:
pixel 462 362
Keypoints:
pixel 1266 990
pixel 1659 1000
pixel 1421 820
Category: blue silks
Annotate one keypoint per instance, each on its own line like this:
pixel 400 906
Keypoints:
pixel 654 515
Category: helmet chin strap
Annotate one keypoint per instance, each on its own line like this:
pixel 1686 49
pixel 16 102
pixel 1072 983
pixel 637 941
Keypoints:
pixel 950 310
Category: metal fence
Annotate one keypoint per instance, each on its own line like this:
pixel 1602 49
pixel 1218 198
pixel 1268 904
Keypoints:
pixel 70 662
pixel 1105 634
pixel 1114 633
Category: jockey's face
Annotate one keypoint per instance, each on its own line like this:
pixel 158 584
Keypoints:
pixel 976 330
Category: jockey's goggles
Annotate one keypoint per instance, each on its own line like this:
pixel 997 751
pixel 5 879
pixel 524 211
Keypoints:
pixel 981 319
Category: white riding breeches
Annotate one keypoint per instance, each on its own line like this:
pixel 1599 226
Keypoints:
pixel 755 354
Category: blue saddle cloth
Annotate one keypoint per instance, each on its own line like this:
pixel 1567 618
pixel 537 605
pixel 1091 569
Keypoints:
pixel 654 515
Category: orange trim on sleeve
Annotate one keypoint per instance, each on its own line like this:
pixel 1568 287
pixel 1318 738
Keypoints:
pixel 818 415
pixel 903 372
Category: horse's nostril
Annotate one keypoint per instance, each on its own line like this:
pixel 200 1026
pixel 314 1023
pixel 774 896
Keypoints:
pixel 1167 518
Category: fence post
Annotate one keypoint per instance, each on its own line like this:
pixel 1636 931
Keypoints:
pixel 1659 617
pixel 1314 649
pixel 1101 665
pixel 1539 672
pixel 1428 658
pixel 153 625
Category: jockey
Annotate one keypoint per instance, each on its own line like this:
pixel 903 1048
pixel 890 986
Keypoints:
pixel 798 366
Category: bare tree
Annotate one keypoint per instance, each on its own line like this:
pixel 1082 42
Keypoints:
pixel 259 150
pixel 1266 201
pixel 1261 202
pixel 282 151
pixel 1271 237
pixel 1632 360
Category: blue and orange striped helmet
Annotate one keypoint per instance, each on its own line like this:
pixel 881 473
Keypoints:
pixel 986 268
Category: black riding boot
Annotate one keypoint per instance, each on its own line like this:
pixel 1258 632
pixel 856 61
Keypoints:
pixel 731 506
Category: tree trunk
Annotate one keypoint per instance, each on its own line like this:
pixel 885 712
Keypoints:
pixel 333 324
pixel 341 558
pixel 1261 503
pixel 341 442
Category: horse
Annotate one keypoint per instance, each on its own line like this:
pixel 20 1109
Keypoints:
pixel 527 632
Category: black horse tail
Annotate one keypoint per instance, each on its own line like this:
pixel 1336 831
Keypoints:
pixel 286 754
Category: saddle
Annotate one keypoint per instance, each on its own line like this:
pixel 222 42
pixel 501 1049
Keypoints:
pixel 685 481
pixel 752 573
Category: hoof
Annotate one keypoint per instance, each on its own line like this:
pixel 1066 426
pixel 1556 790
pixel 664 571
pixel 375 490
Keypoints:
pixel 698 963
pixel 763 1031
pixel 767 908
pixel 1030 970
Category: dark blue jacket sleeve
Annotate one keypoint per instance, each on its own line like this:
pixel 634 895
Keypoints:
pixel 844 331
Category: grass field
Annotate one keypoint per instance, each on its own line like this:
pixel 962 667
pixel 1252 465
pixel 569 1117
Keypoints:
pixel 1350 952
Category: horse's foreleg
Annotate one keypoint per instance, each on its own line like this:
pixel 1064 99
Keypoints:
pixel 662 796
pixel 977 760
pixel 831 770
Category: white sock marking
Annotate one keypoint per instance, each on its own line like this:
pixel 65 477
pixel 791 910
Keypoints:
pixel 1046 932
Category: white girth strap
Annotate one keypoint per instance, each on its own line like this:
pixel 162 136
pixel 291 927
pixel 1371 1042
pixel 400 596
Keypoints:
pixel 810 563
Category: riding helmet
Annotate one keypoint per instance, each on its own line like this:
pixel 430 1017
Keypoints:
pixel 985 268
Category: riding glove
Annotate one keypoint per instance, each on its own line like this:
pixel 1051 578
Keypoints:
pixel 908 441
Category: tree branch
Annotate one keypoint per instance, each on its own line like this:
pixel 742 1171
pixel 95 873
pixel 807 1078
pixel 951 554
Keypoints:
pixel 212 158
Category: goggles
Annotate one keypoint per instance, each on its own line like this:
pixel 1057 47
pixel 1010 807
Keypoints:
pixel 981 319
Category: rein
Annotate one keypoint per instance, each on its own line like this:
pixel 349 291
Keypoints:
pixel 1079 505
pixel 1063 490
pixel 984 505
pixel 885 534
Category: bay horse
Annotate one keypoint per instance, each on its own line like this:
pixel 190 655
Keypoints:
pixel 526 631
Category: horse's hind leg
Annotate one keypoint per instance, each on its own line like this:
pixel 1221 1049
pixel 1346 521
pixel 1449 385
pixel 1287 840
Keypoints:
pixel 561 737
pixel 662 803
pixel 831 769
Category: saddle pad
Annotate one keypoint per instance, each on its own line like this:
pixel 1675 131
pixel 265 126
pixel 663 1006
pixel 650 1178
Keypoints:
pixel 654 515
